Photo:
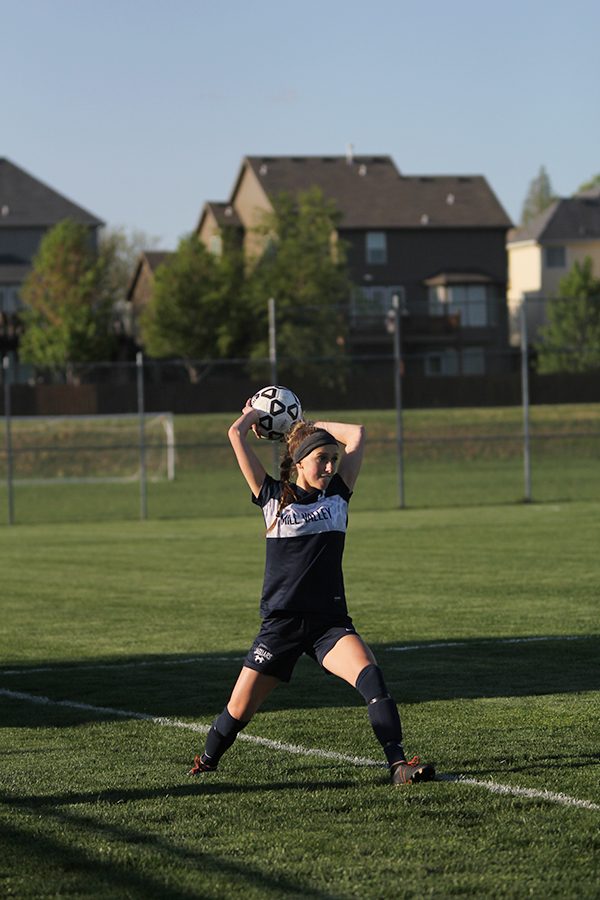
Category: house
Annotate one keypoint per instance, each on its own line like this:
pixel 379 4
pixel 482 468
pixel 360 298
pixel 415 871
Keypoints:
pixel 140 287
pixel 541 253
pixel 28 209
pixel 439 242
pixel 215 220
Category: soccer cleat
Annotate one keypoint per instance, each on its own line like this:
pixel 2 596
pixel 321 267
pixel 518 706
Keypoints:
pixel 200 766
pixel 411 772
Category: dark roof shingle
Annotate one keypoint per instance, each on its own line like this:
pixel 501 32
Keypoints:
pixel 370 192
pixel 224 214
pixel 570 218
pixel 155 258
pixel 26 201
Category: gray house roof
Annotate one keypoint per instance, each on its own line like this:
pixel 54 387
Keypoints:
pixel 370 192
pixel 567 219
pixel 157 257
pixel 224 214
pixel 27 202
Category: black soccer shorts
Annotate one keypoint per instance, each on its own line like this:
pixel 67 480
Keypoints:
pixel 283 639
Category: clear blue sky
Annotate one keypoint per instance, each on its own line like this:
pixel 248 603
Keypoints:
pixel 141 110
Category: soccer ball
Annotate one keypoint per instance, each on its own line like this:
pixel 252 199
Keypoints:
pixel 280 410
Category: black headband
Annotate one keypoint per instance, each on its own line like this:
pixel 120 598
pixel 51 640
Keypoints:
pixel 318 438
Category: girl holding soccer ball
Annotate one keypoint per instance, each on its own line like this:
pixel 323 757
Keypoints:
pixel 303 603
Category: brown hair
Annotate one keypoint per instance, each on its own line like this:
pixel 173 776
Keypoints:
pixel 293 439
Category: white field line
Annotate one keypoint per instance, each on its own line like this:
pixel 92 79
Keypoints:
pixel 190 660
pixel 524 640
pixel 138 664
pixel 528 793
pixel 494 787
pixel 190 726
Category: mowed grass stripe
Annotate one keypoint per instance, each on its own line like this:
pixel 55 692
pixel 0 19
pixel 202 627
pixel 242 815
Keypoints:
pixel 194 660
pixel 107 794
pixel 494 787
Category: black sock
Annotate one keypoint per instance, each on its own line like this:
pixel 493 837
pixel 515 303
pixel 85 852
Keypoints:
pixel 383 712
pixel 221 736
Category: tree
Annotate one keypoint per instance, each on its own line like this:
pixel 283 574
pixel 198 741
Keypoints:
pixel 590 185
pixel 539 196
pixel 303 267
pixel 121 252
pixel 68 305
pixel 196 313
pixel 571 337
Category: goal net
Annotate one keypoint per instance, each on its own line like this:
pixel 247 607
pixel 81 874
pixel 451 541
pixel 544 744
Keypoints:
pixel 80 449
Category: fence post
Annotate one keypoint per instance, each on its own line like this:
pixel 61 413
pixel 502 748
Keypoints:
pixel 139 360
pixel 273 361
pixel 398 396
pixel 525 402
pixel 8 435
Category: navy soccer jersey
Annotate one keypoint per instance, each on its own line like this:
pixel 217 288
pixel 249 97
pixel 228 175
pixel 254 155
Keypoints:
pixel 305 545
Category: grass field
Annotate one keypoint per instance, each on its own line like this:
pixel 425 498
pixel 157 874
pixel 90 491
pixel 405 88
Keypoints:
pixel 452 457
pixel 121 640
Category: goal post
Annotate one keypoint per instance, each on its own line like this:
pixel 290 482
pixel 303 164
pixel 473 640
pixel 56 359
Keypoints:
pixel 91 449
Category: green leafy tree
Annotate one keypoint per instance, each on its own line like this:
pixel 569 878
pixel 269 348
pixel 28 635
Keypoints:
pixel 571 338
pixel 68 302
pixel 197 311
pixel 539 196
pixel 590 185
pixel 120 250
pixel 303 268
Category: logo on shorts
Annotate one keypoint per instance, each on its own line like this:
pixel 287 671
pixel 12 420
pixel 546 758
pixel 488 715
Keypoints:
pixel 262 654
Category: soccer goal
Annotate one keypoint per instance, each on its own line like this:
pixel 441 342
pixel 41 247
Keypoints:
pixel 88 449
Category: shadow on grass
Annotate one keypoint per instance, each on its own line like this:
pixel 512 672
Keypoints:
pixel 194 787
pixel 37 852
pixel 198 688
pixel 541 763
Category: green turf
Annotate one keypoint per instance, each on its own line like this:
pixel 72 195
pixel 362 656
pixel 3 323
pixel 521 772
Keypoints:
pixel 98 805
pixel 452 457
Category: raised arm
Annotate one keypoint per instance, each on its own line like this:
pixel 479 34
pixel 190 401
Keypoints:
pixel 353 439
pixel 250 465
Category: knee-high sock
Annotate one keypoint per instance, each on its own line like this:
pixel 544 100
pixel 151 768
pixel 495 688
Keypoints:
pixel 383 712
pixel 221 736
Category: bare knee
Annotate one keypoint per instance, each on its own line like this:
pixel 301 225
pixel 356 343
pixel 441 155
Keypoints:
pixel 249 693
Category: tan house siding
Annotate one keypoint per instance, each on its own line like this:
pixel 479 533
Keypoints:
pixel 524 270
pixel 142 291
pixel 570 224
pixel 524 280
pixel 208 230
pixel 141 285
pixel 529 277
pixel 251 203
pixel 578 250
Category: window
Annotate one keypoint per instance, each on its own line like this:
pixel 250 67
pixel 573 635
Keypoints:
pixel 376 248
pixel 473 361
pixel 469 301
pixel 444 362
pixel 376 300
pixel 556 257
pixel 470 361
pixel 9 300
pixel 216 245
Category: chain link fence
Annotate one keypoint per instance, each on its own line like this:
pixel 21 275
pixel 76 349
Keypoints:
pixel 455 415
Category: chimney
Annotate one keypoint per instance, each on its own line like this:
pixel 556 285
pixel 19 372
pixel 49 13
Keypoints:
pixel 349 154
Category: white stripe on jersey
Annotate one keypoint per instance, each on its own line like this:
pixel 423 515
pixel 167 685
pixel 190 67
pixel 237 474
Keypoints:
pixel 300 519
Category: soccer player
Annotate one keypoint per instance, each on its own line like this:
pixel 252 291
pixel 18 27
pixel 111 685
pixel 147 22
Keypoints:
pixel 303 604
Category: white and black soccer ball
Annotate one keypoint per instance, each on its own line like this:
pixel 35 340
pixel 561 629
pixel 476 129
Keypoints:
pixel 280 409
